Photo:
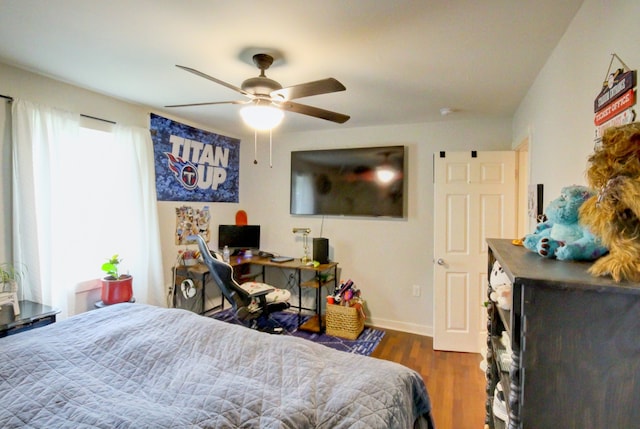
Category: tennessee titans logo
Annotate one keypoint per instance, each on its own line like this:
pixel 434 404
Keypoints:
pixel 185 171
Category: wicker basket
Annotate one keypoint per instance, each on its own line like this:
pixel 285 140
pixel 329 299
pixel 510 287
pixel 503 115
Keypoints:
pixel 344 322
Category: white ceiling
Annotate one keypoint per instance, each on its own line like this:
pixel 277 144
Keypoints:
pixel 400 60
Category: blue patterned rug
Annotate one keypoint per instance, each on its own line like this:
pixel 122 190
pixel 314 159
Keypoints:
pixel 363 345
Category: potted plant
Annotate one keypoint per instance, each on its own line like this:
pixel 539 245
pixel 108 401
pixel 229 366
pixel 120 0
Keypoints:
pixel 116 287
pixel 10 276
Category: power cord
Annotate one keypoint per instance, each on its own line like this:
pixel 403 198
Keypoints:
pixel 291 281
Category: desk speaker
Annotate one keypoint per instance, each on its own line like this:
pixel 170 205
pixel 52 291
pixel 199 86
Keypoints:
pixel 321 250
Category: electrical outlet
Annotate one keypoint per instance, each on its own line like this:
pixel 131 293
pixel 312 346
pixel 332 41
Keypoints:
pixel 416 290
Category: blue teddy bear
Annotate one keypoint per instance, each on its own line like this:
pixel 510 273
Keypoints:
pixel 562 236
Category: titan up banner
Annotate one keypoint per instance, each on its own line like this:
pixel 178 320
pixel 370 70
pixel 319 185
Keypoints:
pixel 193 164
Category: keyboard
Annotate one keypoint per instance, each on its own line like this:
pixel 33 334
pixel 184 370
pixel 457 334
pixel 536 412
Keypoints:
pixel 280 259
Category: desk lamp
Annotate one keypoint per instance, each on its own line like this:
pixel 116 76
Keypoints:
pixel 305 242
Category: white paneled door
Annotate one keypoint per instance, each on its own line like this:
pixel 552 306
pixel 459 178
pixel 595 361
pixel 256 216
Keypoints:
pixel 475 199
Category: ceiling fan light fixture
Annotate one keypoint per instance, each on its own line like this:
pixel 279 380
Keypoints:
pixel 262 118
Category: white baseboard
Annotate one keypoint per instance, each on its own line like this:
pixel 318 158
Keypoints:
pixel 412 328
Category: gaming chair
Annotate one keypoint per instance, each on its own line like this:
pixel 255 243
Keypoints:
pixel 251 302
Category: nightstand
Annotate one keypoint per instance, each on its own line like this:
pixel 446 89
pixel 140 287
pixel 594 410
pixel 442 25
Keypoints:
pixel 32 315
pixel 101 304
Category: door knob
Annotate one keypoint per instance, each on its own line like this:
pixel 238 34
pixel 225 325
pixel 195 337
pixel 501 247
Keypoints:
pixel 440 261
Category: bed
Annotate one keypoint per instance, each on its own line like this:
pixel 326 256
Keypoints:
pixel 139 366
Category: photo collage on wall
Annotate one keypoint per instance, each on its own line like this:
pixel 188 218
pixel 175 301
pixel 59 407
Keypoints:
pixel 190 221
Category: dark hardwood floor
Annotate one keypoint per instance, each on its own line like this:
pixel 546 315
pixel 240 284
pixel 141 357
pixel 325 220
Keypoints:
pixel 455 382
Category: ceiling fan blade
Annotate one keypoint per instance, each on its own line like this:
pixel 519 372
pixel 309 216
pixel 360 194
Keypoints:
pixel 313 111
pixel 213 79
pixel 324 86
pixel 209 103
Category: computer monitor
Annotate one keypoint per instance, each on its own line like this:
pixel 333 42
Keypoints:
pixel 239 237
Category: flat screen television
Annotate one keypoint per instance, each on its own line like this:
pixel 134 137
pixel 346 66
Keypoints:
pixel 239 237
pixel 350 182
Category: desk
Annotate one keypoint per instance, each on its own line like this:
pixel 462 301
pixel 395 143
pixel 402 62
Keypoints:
pixel 323 275
pixel 32 315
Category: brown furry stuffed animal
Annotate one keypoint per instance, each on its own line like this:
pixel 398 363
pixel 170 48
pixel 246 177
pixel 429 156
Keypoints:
pixel 614 214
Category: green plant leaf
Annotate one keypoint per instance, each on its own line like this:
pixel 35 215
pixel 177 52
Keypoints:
pixel 9 272
pixel 111 266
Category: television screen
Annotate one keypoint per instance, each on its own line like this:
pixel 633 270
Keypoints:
pixel 352 182
pixel 239 237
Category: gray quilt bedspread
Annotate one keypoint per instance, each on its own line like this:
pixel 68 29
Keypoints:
pixel 137 366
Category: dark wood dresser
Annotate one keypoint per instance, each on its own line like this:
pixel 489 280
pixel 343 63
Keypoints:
pixel 576 345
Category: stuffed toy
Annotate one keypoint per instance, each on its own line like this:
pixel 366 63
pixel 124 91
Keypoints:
pixel 614 213
pixel 501 287
pixel 562 235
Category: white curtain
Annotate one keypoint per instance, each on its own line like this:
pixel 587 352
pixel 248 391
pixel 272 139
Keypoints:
pixel 81 196
pixel 135 144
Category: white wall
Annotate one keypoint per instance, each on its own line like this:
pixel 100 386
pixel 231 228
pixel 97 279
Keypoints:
pixel 559 106
pixel 22 84
pixel 384 257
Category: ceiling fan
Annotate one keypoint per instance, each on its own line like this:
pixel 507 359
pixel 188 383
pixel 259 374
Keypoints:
pixel 262 91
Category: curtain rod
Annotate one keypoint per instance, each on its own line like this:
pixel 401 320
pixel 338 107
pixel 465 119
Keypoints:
pixel 10 99
pixel 97 119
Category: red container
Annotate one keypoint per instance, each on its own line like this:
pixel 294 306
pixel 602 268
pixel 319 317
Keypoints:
pixel 116 291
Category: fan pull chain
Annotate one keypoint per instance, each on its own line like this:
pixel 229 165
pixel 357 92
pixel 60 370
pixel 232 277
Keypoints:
pixel 255 146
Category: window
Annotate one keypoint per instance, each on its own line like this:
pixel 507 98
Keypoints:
pixel 93 192
pixel 82 195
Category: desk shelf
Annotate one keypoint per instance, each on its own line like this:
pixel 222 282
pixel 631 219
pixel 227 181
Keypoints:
pixel 323 275
pixel 316 282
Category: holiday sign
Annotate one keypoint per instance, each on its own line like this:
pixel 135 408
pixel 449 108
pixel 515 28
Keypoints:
pixel 619 105
pixel 617 84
